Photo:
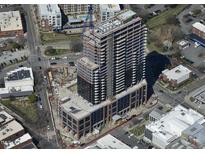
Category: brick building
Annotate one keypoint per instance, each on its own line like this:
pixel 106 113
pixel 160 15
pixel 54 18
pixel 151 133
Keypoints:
pixel 10 24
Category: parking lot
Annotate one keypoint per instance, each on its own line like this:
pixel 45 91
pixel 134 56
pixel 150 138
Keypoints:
pixel 194 54
pixel 186 20
pixel 8 56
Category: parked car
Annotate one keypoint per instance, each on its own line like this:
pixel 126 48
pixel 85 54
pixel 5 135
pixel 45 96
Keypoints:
pixel 53 63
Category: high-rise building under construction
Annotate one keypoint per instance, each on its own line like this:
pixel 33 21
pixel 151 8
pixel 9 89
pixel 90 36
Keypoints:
pixel 114 58
pixel 110 75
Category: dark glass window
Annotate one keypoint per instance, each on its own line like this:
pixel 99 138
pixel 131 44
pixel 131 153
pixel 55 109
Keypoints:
pixel 123 103
pixel 97 116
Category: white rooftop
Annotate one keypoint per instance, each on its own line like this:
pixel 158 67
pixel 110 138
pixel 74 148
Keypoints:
pixel 199 26
pixel 110 7
pixel 9 129
pixel 11 144
pixel 20 79
pixel 48 9
pixel 183 42
pixel 80 108
pixel 176 72
pixel 171 125
pixel 10 21
pixel 109 142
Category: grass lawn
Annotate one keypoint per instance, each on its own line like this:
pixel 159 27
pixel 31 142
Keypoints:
pixel 152 47
pixel 139 130
pixel 25 109
pixel 55 37
pixel 56 52
pixel 161 18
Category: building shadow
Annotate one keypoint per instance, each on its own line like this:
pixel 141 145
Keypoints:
pixel 64 18
pixel 155 64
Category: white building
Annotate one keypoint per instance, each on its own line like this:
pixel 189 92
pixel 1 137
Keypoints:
pixel 176 75
pixel 170 127
pixel 18 82
pixel 24 139
pixel 50 16
pixel 108 142
pixel 183 44
pixel 108 11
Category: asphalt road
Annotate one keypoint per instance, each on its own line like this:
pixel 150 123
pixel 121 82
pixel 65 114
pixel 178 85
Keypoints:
pixel 177 98
pixel 39 65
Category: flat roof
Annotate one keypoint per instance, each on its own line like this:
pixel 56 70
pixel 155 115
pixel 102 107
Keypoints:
pixel 172 124
pixel 183 42
pixel 110 7
pixel 18 141
pixel 196 131
pixel 15 81
pixel 9 129
pixel 48 9
pixel 156 113
pixel 80 108
pixel 21 73
pixel 115 22
pixel 176 72
pixel 10 21
pixel 87 63
pixel 109 142
pixel 199 26
pixel 5 118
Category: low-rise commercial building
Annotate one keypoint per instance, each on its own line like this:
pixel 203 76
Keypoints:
pixel 156 114
pixel 12 134
pixel 50 17
pixel 162 133
pixel 176 76
pixel 18 82
pixel 19 142
pixel 10 129
pixel 183 44
pixel 199 29
pixel 10 24
pixel 195 134
pixel 108 11
pixel 108 142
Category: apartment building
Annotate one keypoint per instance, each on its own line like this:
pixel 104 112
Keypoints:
pixel 72 9
pixel 116 52
pixel 110 75
pixel 108 11
pixel 50 16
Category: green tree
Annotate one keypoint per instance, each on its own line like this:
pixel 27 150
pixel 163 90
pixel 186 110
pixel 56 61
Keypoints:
pixel 32 98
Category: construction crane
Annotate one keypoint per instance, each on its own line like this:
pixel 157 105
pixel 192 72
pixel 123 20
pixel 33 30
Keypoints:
pixel 90 18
